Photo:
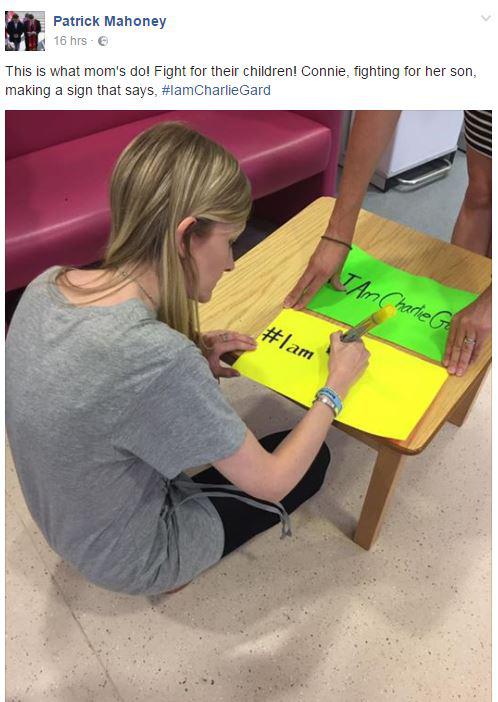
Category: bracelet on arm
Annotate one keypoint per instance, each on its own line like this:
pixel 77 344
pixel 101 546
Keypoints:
pixel 338 241
pixel 327 401
pixel 331 394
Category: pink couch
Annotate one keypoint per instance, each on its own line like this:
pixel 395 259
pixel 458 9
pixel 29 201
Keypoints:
pixel 59 163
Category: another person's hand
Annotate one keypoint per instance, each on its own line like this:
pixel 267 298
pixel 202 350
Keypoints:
pixel 223 341
pixel 468 331
pixel 325 263
pixel 347 362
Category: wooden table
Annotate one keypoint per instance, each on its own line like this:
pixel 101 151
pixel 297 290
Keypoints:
pixel 250 297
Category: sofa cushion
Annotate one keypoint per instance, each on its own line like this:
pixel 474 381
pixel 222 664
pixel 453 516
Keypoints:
pixel 29 131
pixel 56 198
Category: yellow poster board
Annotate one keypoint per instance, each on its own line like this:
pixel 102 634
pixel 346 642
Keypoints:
pixel 388 400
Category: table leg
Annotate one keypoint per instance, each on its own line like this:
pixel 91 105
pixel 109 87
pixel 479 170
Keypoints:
pixel 382 483
pixel 462 409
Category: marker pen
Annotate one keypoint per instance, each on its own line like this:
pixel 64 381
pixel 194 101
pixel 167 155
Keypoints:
pixel 369 323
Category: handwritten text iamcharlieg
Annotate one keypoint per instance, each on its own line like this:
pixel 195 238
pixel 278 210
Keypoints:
pixel 363 291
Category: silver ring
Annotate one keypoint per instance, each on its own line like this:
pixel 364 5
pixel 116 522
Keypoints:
pixel 469 341
pixel 225 337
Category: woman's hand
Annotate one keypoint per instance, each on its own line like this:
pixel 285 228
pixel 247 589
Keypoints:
pixel 347 362
pixel 325 264
pixel 223 341
pixel 468 330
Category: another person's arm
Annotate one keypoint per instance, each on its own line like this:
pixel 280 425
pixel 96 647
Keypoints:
pixel 271 476
pixel 371 132
pixel 468 331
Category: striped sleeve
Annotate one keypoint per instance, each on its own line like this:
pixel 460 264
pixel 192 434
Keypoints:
pixel 478 129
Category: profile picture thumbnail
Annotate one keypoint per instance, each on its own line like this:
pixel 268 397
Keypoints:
pixel 24 30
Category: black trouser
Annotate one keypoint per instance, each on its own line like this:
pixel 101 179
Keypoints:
pixel 242 521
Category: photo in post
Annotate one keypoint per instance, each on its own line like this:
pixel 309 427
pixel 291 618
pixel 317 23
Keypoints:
pixel 247 354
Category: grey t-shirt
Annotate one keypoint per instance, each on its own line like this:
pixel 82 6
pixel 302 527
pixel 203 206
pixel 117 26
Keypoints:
pixel 105 407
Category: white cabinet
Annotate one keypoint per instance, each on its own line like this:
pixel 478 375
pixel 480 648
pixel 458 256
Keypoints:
pixel 421 150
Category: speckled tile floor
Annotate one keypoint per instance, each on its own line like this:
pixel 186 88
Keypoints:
pixel 311 618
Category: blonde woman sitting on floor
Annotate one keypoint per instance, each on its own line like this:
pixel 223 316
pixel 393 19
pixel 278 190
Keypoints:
pixel 112 391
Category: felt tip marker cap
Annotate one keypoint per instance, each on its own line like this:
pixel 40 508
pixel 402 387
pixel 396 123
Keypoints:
pixel 369 323
pixel 385 313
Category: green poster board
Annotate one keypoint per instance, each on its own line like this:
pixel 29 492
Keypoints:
pixel 424 307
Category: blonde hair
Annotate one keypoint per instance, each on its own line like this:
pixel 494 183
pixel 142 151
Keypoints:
pixel 166 174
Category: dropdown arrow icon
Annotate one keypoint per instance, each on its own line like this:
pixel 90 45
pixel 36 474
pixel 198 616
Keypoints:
pixel 485 18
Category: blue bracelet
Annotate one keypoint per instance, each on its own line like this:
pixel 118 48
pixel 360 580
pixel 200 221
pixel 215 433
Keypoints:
pixel 332 395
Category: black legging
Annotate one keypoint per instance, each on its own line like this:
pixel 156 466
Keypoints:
pixel 242 521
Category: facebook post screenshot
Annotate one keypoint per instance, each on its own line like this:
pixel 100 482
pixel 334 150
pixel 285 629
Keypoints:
pixel 247 351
